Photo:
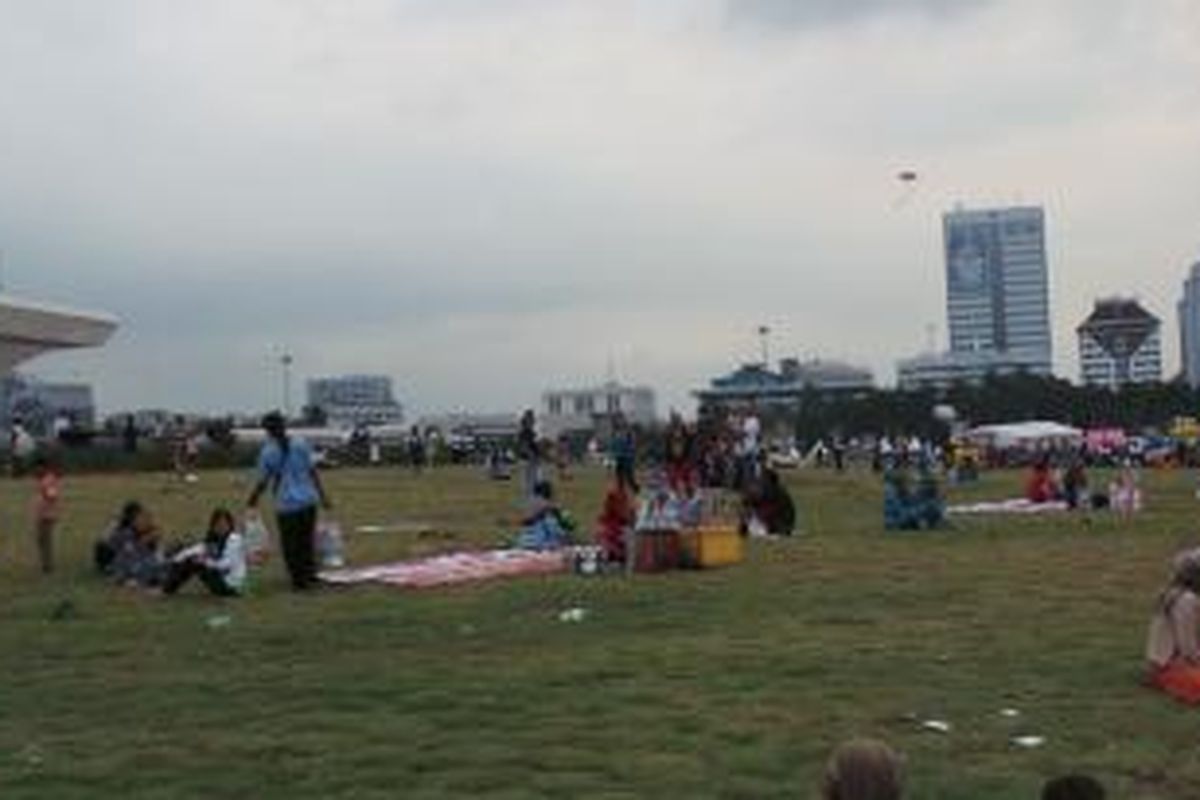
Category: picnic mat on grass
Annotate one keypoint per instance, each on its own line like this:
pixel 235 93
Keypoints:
pixel 450 570
pixel 1016 506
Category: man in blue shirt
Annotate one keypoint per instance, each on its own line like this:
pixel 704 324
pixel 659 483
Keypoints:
pixel 623 450
pixel 285 464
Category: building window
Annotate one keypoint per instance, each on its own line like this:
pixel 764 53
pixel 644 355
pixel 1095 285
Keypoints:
pixel 614 404
pixel 556 406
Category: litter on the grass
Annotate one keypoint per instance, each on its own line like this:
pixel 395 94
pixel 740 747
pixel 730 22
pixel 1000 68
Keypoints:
pixel 409 527
pixel 219 621
pixel 1029 742
pixel 573 615
pixel 1009 713
pixel 31 755
pixel 937 726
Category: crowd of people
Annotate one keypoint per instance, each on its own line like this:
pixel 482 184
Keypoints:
pixel 135 553
pixel 1066 480
pixel 728 457
pixel 694 463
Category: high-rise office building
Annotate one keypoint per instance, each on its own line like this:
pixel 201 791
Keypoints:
pixel 997 286
pixel 1120 344
pixel 1189 327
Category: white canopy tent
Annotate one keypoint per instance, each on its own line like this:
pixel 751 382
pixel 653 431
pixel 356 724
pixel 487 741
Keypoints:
pixel 1035 434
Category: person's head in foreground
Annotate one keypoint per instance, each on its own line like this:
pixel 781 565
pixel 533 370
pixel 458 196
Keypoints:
pixel 220 525
pixel 1073 787
pixel 863 770
pixel 275 426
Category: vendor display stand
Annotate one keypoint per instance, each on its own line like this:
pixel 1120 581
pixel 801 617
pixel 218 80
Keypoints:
pixel 655 550
pixel 661 544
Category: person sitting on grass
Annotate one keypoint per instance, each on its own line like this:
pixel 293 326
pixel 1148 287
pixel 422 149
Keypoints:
pixel 219 563
pixel 898 502
pixel 1075 484
pixel 929 507
pixel 1173 644
pixel 139 564
pixel 863 770
pixel 546 527
pixel 617 519
pixel 1124 493
pixel 773 504
pixel 104 552
pixel 1073 787
pixel 1042 487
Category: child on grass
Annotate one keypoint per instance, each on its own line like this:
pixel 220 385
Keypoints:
pixel 46 509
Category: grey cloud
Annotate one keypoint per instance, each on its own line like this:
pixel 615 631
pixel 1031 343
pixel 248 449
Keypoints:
pixel 792 15
pixel 486 197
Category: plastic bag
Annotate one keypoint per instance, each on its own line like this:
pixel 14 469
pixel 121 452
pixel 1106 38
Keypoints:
pixel 331 545
pixel 258 539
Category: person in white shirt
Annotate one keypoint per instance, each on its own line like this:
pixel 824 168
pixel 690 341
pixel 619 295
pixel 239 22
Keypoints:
pixel 751 431
pixel 219 563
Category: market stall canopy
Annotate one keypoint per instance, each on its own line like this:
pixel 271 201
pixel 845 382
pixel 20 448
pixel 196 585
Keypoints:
pixel 29 329
pixel 1025 434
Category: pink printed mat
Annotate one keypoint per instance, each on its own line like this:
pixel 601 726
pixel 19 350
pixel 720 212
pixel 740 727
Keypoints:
pixel 450 570
pixel 1017 506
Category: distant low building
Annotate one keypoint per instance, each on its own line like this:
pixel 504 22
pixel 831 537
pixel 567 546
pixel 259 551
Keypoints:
pixel 940 371
pixel 41 405
pixel 1120 343
pixel 478 426
pixel 590 409
pixel 758 385
pixel 348 401
pixel 154 422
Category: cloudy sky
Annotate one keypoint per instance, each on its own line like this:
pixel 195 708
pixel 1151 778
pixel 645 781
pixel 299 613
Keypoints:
pixel 484 198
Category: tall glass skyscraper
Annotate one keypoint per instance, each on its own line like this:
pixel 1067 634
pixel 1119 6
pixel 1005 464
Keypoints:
pixel 997 286
pixel 1189 327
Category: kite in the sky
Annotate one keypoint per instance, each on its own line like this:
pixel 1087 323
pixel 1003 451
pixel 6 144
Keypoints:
pixel 908 182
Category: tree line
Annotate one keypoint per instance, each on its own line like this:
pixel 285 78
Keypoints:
pixel 997 399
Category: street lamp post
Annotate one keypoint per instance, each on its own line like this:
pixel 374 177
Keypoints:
pixel 286 362
pixel 764 333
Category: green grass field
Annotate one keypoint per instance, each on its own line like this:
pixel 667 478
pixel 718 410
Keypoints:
pixel 733 683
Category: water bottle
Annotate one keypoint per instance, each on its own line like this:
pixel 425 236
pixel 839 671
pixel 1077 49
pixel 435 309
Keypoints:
pixel 333 546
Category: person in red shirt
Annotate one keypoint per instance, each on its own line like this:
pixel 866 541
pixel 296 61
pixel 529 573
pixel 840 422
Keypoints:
pixel 46 510
pixel 616 519
pixel 1041 487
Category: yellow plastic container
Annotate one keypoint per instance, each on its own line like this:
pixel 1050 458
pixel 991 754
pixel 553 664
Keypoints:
pixel 704 548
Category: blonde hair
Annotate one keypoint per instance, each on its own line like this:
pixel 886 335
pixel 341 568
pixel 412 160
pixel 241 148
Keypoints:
pixel 863 770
